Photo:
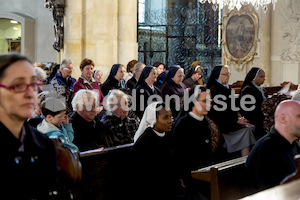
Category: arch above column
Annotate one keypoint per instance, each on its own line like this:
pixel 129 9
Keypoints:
pixel 27 32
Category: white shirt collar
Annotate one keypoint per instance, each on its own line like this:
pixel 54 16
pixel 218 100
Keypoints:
pixel 196 117
pixel 159 134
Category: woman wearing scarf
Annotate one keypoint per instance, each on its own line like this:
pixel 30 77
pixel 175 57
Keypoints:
pixel 115 79
pixel 252 86
pixel 237 132
pixel 192 76
pixel 153 176
pixel 173 86
pixel 86 80
pixel 145 89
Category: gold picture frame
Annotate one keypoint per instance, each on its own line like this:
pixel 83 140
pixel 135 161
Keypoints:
pixel 240 38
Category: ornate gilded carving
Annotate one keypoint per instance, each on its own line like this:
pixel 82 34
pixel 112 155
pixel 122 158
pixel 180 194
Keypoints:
pixel 240 37
pixel 58 8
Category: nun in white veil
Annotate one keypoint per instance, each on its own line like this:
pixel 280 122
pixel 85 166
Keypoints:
pixel 148 120
pixel 154 175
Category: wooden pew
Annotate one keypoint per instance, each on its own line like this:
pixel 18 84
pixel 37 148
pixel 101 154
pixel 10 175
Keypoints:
pixel 289 191
pixel 105 173
pixel 228 180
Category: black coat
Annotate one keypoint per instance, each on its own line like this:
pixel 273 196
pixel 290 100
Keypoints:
pixel 87 135
pixel 171 88
pixel 147 92
pixel 30 174
pixel 189 83
pixel 131 83
pixel 111 84
pixel 192 139
pixel 255 117
pixel 227 119
pixel 271 160
pixel 154 177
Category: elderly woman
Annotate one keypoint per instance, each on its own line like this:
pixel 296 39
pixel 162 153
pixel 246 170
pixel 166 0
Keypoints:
pixel 237 132
pixel 252 86
pixel 28 160
pixel 137 71
pixel 115 79
pixel 121 127
pixel 86 81
pixel 98 76
pixel 88 130
pixel 173 85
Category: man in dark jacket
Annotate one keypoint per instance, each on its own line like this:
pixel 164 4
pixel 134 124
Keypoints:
pixel 272 158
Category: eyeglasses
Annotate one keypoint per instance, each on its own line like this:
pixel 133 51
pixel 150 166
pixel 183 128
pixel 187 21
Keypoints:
pixel 228 74
pixel 180 76
pixel 18 88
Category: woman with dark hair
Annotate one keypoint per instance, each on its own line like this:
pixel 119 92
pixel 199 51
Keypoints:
pixel 145 88
pixel 153 173
pixel 237 132
pixel 192 76
pixel 252 86
pixel 173 86
pixel 28 159
pixel 115 79
pixel 86 80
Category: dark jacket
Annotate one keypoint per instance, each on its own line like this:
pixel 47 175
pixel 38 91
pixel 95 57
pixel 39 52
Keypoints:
pixel 31 174
pixel 189 83
pixel 227 119
pixel 131 83
pixel 66 82
pixel 256 116
pixel 110 84
pixel 171 88
pixel 87 135
pixel 192 139
pixel 271 160
pixel 146 91
pixel 153 167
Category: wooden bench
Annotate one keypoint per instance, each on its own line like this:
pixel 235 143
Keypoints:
pixel 289 191
pixel 105 173
pixel 228 180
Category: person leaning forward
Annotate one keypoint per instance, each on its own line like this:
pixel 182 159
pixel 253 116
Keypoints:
pixel 28 158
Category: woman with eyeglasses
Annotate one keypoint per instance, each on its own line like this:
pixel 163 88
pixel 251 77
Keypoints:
pixel 145 89
pixel 173 85
pixel 237 131
pixel 252 85
pixel 28 158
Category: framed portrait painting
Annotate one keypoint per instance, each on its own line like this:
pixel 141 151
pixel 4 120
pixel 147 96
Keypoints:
pixel 240 38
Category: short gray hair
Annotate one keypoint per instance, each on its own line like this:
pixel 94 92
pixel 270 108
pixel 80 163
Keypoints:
pixel 82 97
pixel 137 67
pixel 40 74
pixel 113 98
pixel 65 62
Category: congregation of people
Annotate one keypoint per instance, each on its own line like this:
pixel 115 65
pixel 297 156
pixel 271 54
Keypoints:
pixel 179 125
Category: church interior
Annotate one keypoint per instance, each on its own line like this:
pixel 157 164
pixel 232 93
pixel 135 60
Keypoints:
pixel 174 33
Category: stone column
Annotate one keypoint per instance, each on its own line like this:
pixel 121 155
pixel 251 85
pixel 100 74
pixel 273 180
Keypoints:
pixel 265 49
pixel 127 31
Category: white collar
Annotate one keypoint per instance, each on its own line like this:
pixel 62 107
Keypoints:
pixel 159 134
pixel 196 117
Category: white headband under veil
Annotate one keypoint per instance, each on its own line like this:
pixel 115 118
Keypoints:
pixel 148 120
